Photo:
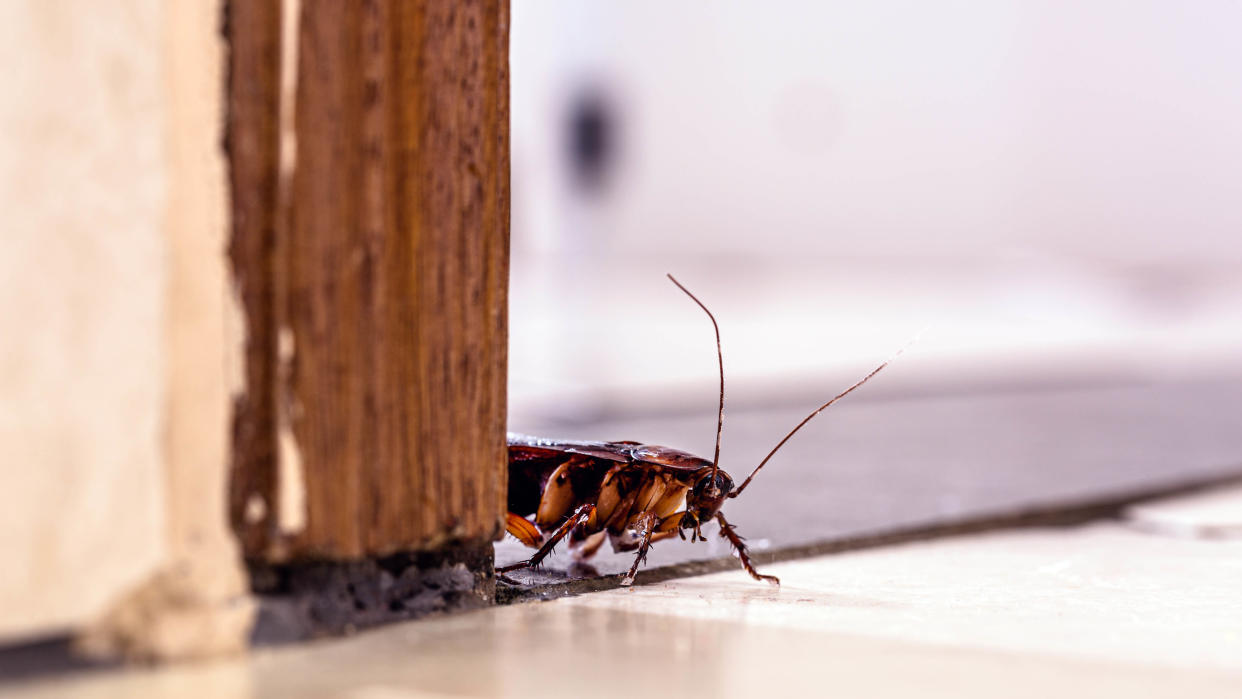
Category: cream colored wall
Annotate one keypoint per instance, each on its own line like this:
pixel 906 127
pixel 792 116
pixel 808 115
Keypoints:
pixel 83 179
pixel 116 367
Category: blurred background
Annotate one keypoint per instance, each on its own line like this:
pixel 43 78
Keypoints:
pixel 1045 192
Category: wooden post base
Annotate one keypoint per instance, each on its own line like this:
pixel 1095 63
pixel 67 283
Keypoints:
pixel 298 601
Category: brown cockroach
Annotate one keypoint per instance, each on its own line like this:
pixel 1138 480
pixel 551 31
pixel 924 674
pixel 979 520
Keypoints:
pixel 631 493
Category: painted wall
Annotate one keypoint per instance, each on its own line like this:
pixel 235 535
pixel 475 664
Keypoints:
pixel 117 363
pixel 83 181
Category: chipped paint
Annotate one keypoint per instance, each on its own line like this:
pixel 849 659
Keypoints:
pixel 235 339
pixel 285 347
pixel 288 145
pixel 256 509
pixel 290 471
pixel 291 515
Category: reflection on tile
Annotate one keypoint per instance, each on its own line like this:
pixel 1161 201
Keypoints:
pixel 1095 611
pixel 1102 591
pixel 568 650
pixel 1213 515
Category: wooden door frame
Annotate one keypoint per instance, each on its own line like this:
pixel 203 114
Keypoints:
pixel 372 267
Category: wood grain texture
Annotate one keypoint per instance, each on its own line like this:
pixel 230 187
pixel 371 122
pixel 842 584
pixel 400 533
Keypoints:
pixel 390 302
pixel 252 143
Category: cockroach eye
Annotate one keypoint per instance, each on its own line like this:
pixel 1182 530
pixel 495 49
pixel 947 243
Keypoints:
pixel 722 482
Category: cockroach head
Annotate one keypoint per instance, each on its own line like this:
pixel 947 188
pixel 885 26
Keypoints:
pixel 706 496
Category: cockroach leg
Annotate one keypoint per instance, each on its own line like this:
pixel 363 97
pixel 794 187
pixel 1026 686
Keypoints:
pixel 644 527
pixel 523 530
pixel 579 516
pixel 726 530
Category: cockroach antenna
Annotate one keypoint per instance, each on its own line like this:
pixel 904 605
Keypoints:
pixel 819 410
pixel 587 491
pixel 720 361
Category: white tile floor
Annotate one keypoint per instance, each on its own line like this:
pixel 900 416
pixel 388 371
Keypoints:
pixel 1102 610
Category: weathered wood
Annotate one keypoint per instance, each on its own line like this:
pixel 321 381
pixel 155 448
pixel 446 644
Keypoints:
pixel 386 346
pixel 253 32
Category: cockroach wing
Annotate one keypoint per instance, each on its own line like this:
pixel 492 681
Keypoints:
pixel 674 459
pixel 526 447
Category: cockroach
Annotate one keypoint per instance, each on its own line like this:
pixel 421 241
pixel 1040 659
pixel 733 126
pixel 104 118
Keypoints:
pixel 630 493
